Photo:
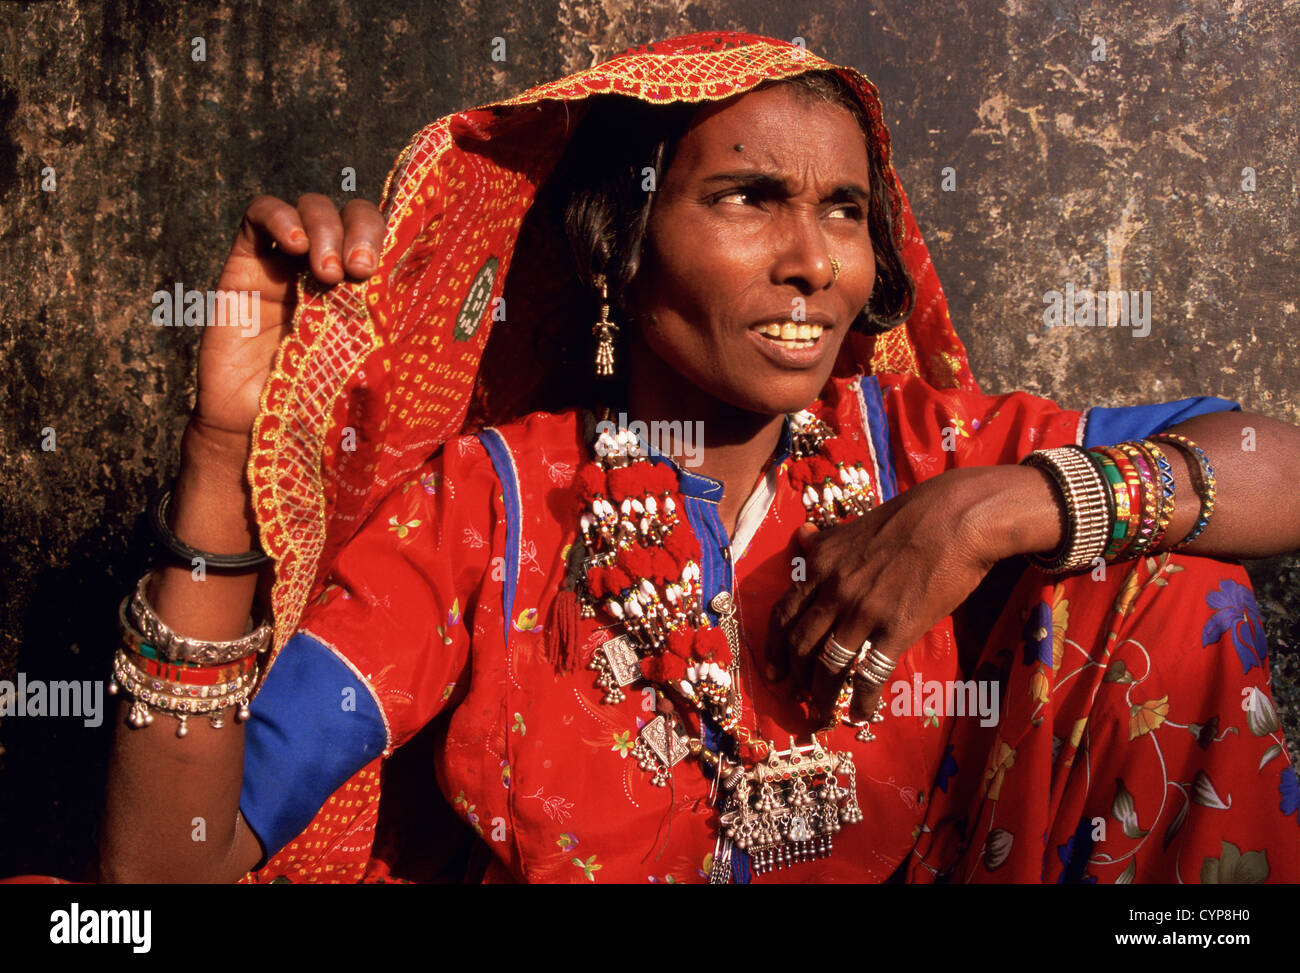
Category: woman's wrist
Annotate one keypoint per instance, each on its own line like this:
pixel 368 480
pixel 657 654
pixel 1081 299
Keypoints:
pixel 220 454
pixel 1030 508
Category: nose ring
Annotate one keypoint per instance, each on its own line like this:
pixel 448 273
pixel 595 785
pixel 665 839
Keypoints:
pixel 835 268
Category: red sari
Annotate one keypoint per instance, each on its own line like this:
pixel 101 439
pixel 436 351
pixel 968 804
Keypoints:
pixel 1133 736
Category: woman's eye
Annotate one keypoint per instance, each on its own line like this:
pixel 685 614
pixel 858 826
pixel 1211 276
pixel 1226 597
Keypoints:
pixel 742 193
pixel 850 211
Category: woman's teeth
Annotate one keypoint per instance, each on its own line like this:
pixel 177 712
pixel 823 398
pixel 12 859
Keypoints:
pixel 795 335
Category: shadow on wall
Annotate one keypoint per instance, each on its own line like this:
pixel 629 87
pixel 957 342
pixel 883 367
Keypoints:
pixel 53 767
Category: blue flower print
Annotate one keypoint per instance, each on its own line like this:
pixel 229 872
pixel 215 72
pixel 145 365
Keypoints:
pixel 1289 788
pixel 947 767
pixel 1235 606
pixel 1038 635
pixel 1074 856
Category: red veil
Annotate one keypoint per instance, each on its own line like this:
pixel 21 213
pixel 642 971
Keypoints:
pixel 377 374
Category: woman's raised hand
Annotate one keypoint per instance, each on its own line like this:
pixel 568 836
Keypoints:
pixel 892 574
pixel 274 242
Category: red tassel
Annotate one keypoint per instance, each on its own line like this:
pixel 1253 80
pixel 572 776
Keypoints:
pixel 683 547
pixel 591 483
pixel 562 632
pixel 661 480
pixel 681 641
pixel 673 668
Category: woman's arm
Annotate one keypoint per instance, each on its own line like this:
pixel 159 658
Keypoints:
pixel 171 812
pixel 892 573
pixel 172 803
pixel 1256 513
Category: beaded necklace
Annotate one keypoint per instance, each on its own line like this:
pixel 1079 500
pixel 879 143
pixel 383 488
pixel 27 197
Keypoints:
pixel 642 569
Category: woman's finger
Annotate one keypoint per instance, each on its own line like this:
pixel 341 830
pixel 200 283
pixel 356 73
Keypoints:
pixel 788 608
pixel 363 237
pixel 808 635
pixel 324 228
pixel 270 221
pixel 834 662
pixel 868 692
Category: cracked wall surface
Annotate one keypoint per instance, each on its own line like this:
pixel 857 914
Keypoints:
pixel 1146 147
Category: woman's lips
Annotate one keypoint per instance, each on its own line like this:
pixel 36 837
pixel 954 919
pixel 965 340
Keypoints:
pixel 791 344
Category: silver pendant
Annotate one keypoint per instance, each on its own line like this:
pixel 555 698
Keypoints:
pixel 618 664
pixel 659 748
pixel 788 808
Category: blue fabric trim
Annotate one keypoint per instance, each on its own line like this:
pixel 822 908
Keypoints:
pixel 740 866
pixel 1106 427
pixel 715 576
pixel 707 527
pixel 699 486
pixel 301 744
pixel 504 464
pixel 878 428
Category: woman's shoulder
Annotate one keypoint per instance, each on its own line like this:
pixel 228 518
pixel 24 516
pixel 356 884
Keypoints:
pixel 549 437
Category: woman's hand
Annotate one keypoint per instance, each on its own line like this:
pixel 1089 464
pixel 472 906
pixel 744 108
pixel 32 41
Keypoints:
pixel 274 242
pixel 892 574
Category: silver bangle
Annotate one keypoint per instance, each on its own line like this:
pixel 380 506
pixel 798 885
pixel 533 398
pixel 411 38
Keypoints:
pixel 179 648
pixel 150 695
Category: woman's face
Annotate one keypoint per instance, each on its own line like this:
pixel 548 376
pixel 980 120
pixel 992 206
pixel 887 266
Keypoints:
pixel 763 190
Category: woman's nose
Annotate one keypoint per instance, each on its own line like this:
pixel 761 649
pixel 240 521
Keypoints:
pixel 803 256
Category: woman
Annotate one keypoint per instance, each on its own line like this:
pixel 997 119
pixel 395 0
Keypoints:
pixel 643 660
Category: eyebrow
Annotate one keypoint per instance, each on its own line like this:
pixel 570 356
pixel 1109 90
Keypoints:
pixel 846 192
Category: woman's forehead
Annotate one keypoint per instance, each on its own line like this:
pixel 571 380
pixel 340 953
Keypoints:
pixel 777 127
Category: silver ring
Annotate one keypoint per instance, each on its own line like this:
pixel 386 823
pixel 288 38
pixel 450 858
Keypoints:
pixel 875 668
pixel 836 657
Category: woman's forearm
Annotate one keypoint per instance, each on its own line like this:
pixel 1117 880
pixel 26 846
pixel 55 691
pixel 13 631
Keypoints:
pixel 171 808
pixel 1257 507
pixel 1257 510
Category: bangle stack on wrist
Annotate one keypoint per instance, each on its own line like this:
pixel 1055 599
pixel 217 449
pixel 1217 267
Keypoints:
pixel 165 672
pixel 1118 500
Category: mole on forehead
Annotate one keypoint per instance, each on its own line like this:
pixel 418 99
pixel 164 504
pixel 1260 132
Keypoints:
pixel 739 146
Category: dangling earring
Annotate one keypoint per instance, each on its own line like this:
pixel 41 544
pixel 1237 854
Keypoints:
pixel 604 328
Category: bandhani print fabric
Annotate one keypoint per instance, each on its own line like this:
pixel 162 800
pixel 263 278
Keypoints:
pixel 1126 731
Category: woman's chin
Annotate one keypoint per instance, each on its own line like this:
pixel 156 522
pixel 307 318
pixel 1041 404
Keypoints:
pixel 777 398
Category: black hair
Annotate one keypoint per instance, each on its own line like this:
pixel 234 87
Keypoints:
pixel 598 194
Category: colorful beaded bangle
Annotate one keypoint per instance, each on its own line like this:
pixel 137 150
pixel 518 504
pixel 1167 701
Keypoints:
pixel 1161 463
pixel 124 666
pixel 1116 503
pixel 194 675
pixel 1132 499
pixel 1150 505
pixel 1203 481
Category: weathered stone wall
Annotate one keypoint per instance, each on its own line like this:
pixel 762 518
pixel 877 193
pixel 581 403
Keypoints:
pixel 125 164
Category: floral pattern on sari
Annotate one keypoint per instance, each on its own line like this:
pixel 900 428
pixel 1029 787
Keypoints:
pixel 1135 738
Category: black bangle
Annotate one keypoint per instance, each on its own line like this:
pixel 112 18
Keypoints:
pixel 183 552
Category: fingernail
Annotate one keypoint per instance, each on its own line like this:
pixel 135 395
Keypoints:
pixel 297 236
pixel 330 261
pixel 362 254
